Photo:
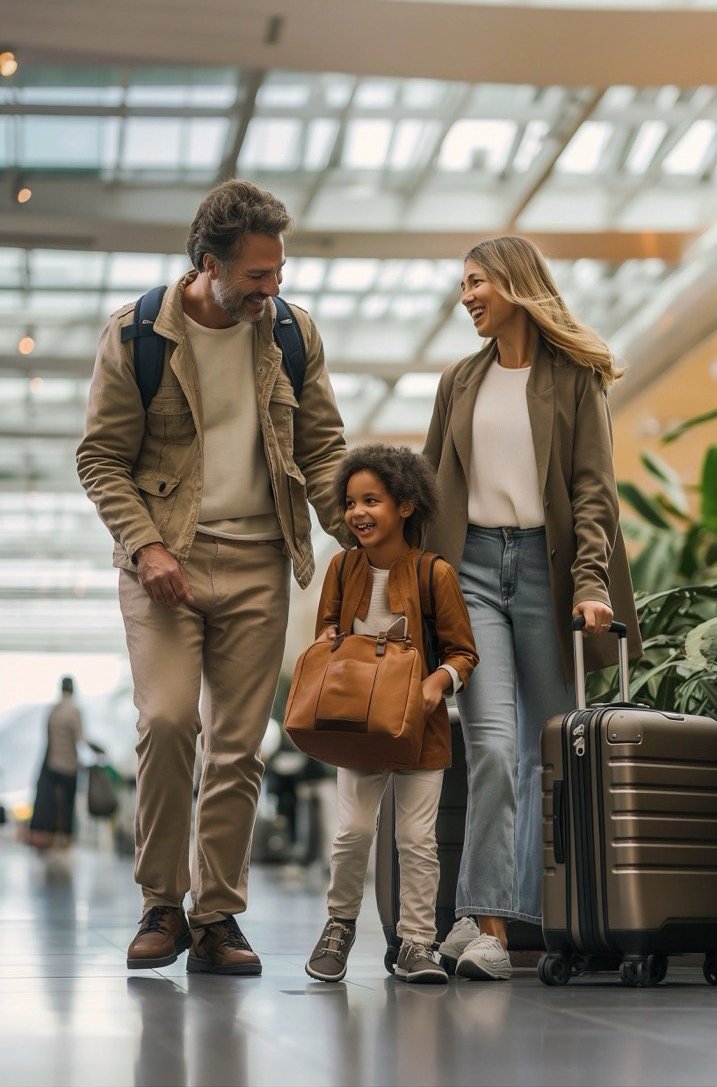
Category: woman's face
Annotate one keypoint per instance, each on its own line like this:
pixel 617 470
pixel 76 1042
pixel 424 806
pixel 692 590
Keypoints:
pixel 488 309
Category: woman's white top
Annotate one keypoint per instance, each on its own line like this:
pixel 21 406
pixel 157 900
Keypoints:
pixel 503 488
pixel 379 617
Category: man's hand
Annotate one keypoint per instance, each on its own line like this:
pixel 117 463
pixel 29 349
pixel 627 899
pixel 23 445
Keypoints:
pixel 598 617
pixel 434 688
pixel 161 576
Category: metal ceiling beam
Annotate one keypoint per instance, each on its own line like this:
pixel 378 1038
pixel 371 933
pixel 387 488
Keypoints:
pixel 451 41
pixel 48 231
pixel 241 119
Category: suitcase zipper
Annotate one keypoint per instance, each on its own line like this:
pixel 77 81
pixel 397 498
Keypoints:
pixel 584 833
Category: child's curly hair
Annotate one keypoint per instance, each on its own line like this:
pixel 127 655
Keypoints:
pixel 407 476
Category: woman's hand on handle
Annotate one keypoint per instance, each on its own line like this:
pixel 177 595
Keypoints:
pixel 598 616
pixel 327 635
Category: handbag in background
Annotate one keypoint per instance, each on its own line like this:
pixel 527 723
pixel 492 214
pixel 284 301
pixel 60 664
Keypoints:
pixel 101 795
pixel 357 701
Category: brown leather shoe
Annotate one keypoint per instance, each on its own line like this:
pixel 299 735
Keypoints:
pixel 222 948
pixel 163 934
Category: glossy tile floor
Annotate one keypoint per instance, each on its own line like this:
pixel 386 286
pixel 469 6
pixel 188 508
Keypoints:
pixel 72 1015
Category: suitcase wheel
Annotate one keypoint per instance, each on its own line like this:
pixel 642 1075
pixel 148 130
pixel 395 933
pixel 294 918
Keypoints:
pixel 643 973
pixel 554 969
pixel 710 969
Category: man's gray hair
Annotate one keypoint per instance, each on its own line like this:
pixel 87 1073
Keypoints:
pixel 228 211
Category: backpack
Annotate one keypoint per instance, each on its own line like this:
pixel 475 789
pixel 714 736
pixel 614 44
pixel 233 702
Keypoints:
pixel 149 345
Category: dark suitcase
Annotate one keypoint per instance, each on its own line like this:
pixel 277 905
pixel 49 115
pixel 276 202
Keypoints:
pixel 450 831
pixel 630 837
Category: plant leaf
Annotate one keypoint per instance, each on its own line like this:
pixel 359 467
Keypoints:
pixel 697 420
pixel 642 504
pixel 669 478
pixel 708 502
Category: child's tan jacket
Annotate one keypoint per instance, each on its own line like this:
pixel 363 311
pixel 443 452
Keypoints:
pixel 339 608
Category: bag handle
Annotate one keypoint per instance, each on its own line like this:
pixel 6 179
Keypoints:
pixel 620 629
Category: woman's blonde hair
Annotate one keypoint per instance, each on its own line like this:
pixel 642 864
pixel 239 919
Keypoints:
pixel 518 270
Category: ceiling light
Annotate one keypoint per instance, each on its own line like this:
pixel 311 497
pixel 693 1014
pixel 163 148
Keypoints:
pixel 36 384
pixel 23 195
pixel 8 64
pixel 26 345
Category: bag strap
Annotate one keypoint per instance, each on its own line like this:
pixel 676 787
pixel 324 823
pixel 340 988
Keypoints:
pixel 149 346
pixel 288 338
pixel 425 585
pixel 148 351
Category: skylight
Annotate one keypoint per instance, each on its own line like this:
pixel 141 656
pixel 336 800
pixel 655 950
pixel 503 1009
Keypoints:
pixel 477 144
pixel 642 152
pixel 584 152
pixel 367 144
pixel 688 155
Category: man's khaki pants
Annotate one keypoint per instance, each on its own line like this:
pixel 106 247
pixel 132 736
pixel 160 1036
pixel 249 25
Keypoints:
pixel 232 639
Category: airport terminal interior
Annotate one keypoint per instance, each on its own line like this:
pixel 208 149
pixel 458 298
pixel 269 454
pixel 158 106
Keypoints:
pixel 398 133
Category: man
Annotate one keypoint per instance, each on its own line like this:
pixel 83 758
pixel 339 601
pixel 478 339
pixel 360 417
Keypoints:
pixel 206 495
pixel 53 817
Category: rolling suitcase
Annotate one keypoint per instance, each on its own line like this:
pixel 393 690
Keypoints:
pixel 630 837
pixel 450 831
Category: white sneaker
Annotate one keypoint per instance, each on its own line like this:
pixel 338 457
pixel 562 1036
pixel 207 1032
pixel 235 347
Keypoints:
pixel 464 932
pixel 485 958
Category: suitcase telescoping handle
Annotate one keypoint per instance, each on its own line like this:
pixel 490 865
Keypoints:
pixel 615 628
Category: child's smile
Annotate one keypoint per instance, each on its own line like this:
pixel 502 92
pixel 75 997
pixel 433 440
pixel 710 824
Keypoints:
pixel 375 518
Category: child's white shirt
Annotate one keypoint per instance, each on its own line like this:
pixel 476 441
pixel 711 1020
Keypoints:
pixel 379 617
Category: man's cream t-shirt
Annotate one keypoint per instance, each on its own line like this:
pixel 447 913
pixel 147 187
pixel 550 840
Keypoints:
pixel 237 500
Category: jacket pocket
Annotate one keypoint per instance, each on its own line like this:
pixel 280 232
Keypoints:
pixel 282 405
pixel 155 483
pixel 170 420
pixel 159 492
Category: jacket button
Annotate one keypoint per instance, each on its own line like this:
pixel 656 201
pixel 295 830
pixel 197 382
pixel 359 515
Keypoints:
pixel 162 487
pixel 553 553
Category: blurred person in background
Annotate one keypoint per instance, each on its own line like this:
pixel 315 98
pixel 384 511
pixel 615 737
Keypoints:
pixel 521 440
pixel 206 493
pixel 53 815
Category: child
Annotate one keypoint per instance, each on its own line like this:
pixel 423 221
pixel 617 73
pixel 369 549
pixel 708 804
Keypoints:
pixel 388 494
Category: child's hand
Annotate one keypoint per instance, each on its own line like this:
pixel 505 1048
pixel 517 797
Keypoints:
pixel 327 635
pixel 434 687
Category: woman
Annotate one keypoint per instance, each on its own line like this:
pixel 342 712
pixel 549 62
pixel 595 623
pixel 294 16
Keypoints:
pixel 522 444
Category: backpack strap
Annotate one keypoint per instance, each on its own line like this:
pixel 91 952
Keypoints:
pixel 148 352
pixel 288 339
pixel 149 346
pixel 424 572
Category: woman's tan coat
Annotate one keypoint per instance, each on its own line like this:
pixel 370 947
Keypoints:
pixel 346 596
pixel 572 434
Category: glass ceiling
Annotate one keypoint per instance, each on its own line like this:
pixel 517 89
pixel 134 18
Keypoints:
pixel 124 154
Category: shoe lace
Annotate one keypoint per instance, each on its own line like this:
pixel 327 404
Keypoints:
pixel 416 950
pixel 334 937
pixel 233 935
pixel 153 920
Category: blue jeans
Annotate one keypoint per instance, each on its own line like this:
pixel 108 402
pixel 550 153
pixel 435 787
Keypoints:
pixel 518 684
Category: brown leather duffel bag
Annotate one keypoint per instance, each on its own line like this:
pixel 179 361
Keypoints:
pixel 357 702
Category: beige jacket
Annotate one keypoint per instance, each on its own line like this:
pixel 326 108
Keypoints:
pixel 572 435
pixel 144 472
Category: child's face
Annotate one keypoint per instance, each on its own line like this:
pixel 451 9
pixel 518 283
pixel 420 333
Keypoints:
pixel 374 517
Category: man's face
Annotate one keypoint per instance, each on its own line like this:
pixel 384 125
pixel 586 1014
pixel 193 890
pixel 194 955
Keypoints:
pixel 242 287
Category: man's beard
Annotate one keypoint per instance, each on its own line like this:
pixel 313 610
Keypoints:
pixel 234 307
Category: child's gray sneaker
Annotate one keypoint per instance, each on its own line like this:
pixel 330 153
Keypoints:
pixel 327 961
pixel 485 959
pixel 464 932
pixel 418 963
